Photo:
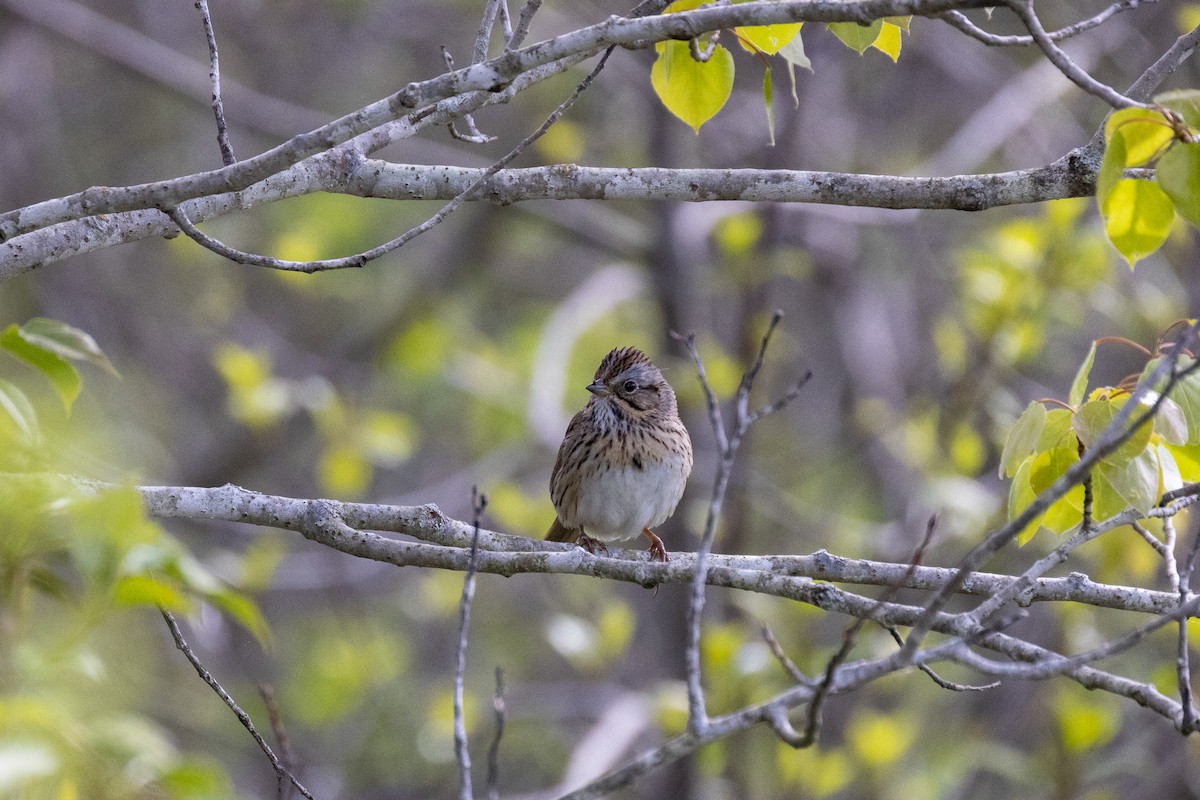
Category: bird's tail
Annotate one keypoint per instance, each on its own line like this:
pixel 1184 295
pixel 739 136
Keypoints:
pixel 561 533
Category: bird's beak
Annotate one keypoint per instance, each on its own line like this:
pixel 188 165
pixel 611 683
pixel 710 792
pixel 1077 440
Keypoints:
pixel 598 388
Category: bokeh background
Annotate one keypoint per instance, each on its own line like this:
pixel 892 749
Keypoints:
pixel 457 361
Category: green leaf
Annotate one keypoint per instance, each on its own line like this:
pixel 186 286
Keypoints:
pixel 1137 218
pixel 1135 481
pixel 244 611
pixel 900 22
pixel 1107 502
pixel 1170 422
pixel 1186 394
pixel 1094 417
pixel 1020 495
pixel 1022 439
pixel 61 373
pixel 888 41
pixel 1045 468
pixel 857 37
pixel 692 90
pixel 768 99
pixel 1184 102
pixel 17 407
pixel 1178 175
pixel 1057 431
pixel 1079 384
pixel 66 341
pixel 1145 133
pixel 143 590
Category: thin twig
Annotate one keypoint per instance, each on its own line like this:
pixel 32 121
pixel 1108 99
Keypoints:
pixel 938 679
pixel 1057 56
pixel 788 665
pixel 493 762
pixel 275 718
pixel 360 259
pixel 704 55
pixel 484 36
pixel 282 775
pixel 473 135
pixel 461 750
pixel 517 38
pixel 817 703
pixel 960 21
pixel 727 447
pixel 214 77
pixel 1188 721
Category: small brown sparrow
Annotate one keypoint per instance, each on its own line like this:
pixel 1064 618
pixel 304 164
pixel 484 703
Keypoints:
pixel 624 460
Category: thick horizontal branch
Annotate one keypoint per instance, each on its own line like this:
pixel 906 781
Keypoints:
pixel 482 79
pixel 445 544
pixel 1073 175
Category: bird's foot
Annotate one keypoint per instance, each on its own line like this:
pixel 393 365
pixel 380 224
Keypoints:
pixel 658 551
pixel 591 545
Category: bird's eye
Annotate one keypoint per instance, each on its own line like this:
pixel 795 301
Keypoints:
pixel 629 386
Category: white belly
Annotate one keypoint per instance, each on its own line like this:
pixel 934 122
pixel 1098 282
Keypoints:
pixel 618 504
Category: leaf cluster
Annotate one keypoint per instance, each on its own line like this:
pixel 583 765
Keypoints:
pixel 1156 458
pixel 1138 213
pixel 694 80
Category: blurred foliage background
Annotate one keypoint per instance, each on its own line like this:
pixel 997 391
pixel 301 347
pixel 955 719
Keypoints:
pixel 457 362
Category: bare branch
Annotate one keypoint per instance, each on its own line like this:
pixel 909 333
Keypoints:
pixel 283 776
pixel 214 77
pixel 359 259
pixel 727 447
pixel 960 21
pixel 1024 10
pixel 461 750
pixel 493 762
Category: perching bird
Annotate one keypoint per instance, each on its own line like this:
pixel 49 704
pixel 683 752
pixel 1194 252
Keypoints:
pixel 624 459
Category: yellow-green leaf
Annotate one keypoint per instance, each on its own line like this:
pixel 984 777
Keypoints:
pixel 1178 174
pixel 769 39
pixel 1145 134
pixel 1137 218
pixel 692 90
pixel 900 22
pixel 888 41
pixel 1022 439
pixel 144 590
pixel 1066 512
pixel 857 37
pixel 1079 384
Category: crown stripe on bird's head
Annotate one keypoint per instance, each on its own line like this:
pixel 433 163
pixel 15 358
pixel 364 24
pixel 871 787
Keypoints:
pixel 620 359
